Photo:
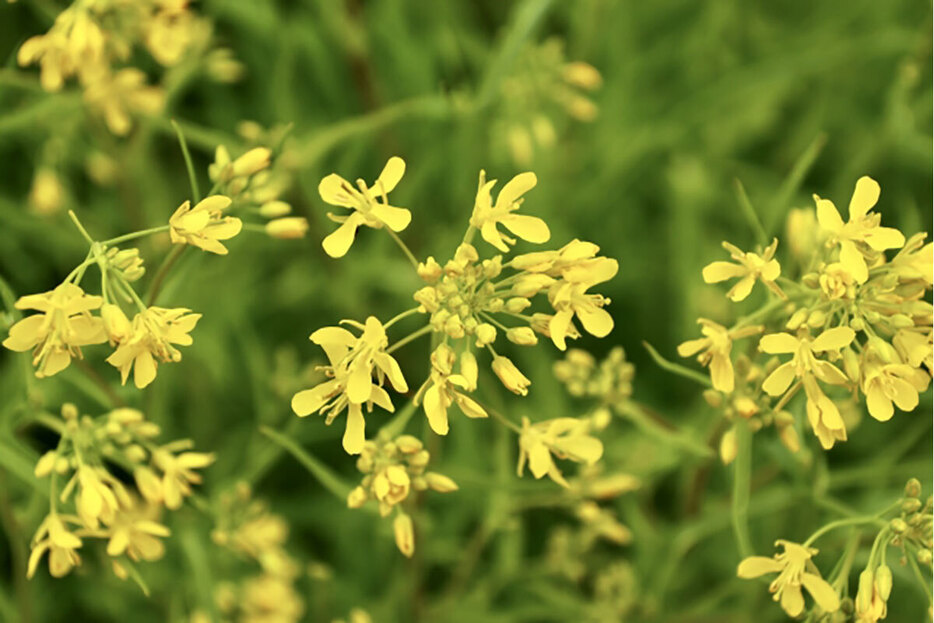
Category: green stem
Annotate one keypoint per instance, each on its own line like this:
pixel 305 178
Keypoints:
pixel 404 247
pixel 412 336
pixel 192 178
pixel 328 479
pixel 848 521
pixel 742 477
pixel 399 317
pixel 136 234
pixel 163 272
pixel 761 237
pixel 84 232
pixel 397 424
pixel 677 368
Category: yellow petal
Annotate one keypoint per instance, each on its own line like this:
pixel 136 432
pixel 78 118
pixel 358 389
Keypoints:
pixel 822 592
pixel 779 380
pixel 864 197
pixel 338 242
pixel 597 321
pixel 880 407
pixel 354 433
pixel 715 272
pixel 833 339
pixel 515 188
pixel 756 566
pixel 359 383
pixel 539 460
pixel 792 600
pixel 436 410
pixel 853 261
pixel 776 343
pixel 390 176
pixel 214 203
pixel 144 369
pixel 828 216
pixel 742 289
pixel 332 191
pixel 529 228
pixel 721 373
pixel 882 238
pixel 395 218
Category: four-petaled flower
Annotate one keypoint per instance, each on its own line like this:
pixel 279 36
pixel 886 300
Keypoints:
pixel 564 437
pixel 795 570
pixel 861 235
pixel 885 379
pixel 353 360
pixel 445 388
pixel 569 297
pixel 487 215
pixel 749 267
pixel 365 205
pixel 204 225
pixel 822 413
pixel 61 544
pixel 716 346
pixel 58 332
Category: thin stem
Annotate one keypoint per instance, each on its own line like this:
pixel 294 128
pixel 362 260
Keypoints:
pixel 412 336
pixel 192 178
pixel 849 521
pixel 750 212
pixel 742 477
pixel 636 414
pixel 502 418
pixel 404 247
pixel 136 234
pixel 399 317
pixel 677 368
pixel 788 396
pixel 320 471
pixel 84 232
pixel 163 272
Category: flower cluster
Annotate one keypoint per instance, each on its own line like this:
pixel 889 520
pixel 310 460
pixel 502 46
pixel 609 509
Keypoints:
pixel 91 40
pixel 846 316
pixel 544 89
pixel 93 503
pixel 393 468
pixel 247 527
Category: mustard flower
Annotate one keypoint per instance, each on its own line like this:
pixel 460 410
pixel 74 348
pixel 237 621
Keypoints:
pixel 716 345
pixel 178 472
pixel 404 531
pixel 74 44
pixel 795 570
pixel 822 413
pixel 861 235
pixel 53 536
pixel 118 95
pixel 444 388
pixel 566 438
pixel 487 215
pixel 58 332
pixel 749 267
pixel 97 498
pixel 886 380
pixel 353 361
pixel 366 209
pixel 134 533
pixel 205 225
pixel 150 339
pixel 510 376
pixel 569 297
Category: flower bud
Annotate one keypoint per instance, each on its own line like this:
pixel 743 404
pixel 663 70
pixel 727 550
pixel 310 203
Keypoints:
pixel 405 534
pixel 884 581
pixel 583 75
pixel 275 209
pixel 864 593
pixel 251 162
pixel 356 498
pixel 46 464
pixel 429 270
pixel 408 444
pixel 440 483
pixel 913 488
pixel 485 334
pixel 523 336
pixel 729 447
pixel 510 376
pixel 517 304
pixel 287 228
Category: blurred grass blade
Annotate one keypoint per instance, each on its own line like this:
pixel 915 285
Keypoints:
pixel 793 181
pixel 750 212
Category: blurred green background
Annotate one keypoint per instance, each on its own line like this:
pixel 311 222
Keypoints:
pixel 791 97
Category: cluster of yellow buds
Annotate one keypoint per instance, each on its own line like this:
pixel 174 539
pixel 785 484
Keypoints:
pixel 394 468
pixel 104 507
pixel 90 39
pixel 247 527
pixel 854 318
pixel 544 85
pixel 610 381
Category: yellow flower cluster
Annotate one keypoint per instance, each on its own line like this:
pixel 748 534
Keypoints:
pixel 247 527
pixel 544 88
pixel 795 571
pixel 90 39
pixel 853 318
pixel 393 468
pixel 95 504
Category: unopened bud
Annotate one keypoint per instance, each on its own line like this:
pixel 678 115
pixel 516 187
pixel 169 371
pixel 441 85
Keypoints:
pixel 275 209
pixel 287 228
pixel 251 162
pixel 523 336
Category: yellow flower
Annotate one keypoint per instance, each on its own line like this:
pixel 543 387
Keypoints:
pixel 795 570
pixel 178 471
pixel 116 96
pixel 365 205
pixel 270 599
pixel 716 345
pixel 205 225
pixel 510 376
pixel 566 438
pixel 576 254
pixel 61 544
pixel 569 298
pixel 861 236
pixel 822 413
pixel 915 347
pixel 74 44
pixel 134 533
pixel 171 31
pixel 886 379
pixel 487 215
pixel 749 267
pixel 56 334
pixel 154 332
pixel 443 388
pixel 97 499
pixel 872 594
pixel 353 360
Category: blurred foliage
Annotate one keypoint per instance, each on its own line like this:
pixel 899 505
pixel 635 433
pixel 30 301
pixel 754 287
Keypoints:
pixel 789 97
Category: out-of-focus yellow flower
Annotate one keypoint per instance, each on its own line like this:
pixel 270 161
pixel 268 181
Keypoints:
pixel 364 202
pixel 172 30
pixel 204 225
pixel 353 361
pixel 795 570
pixel 444 388
pixel 749 267
pixel 97 498
pixel 178 472
pixel 566 438
pixel 716 345
pixel 47 195
pixel 58 332
pixel 861 235
pixel 53 536
pixel 270 599
pixel 405 534
pixel 487 215
pixel 75 44
pixel 822 413
pixel 134 533
pixel 119 95
pixel 152 338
